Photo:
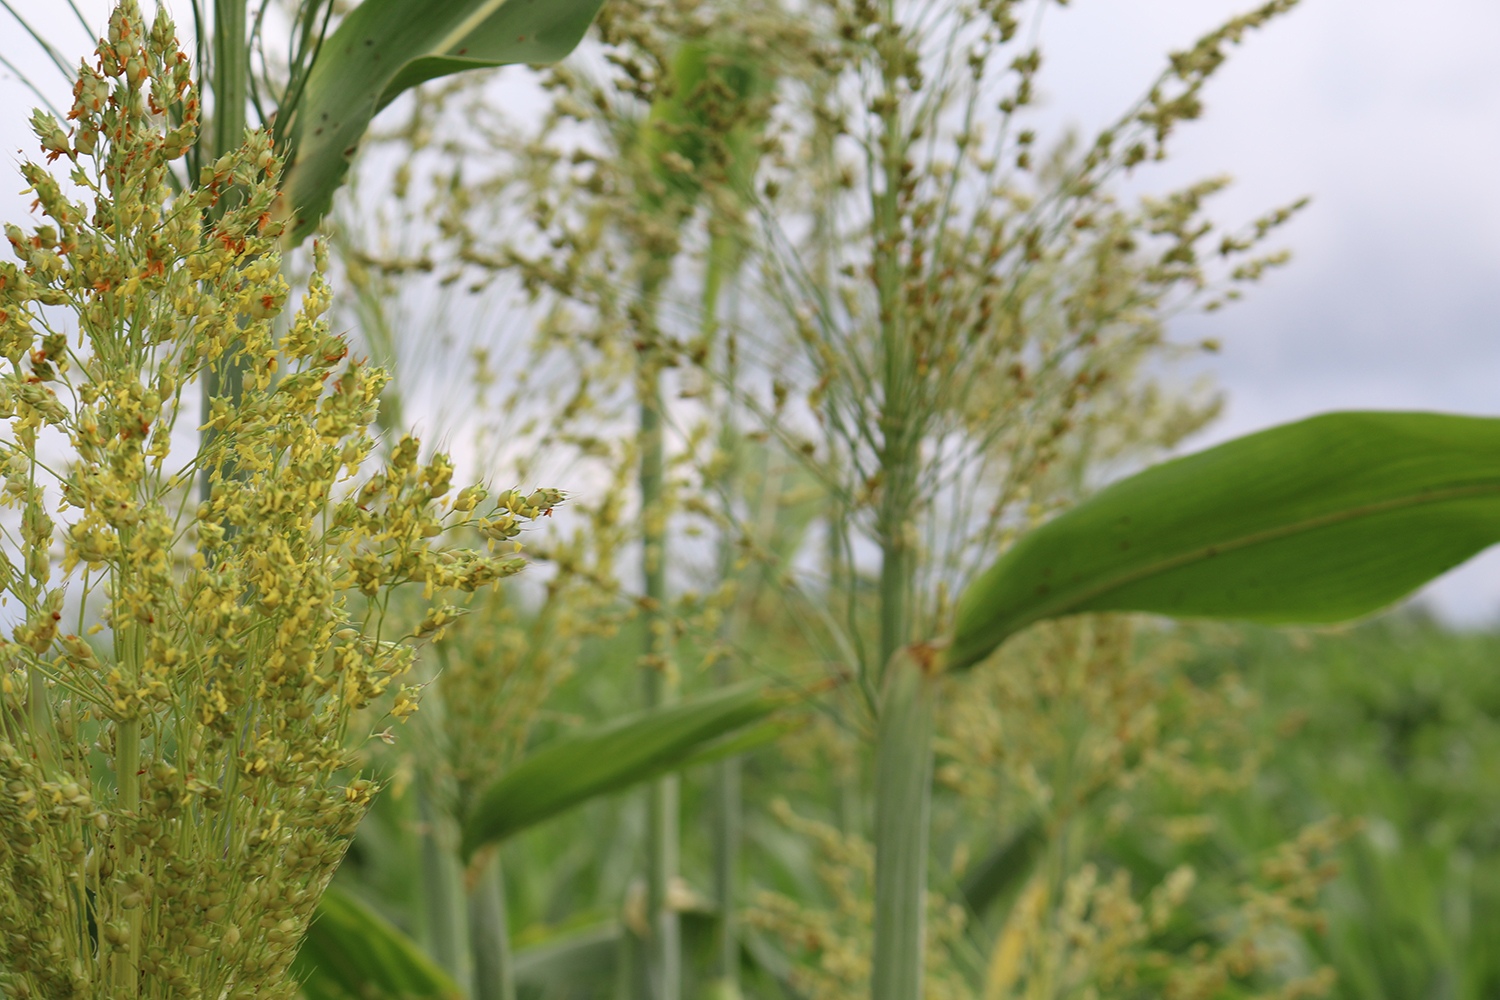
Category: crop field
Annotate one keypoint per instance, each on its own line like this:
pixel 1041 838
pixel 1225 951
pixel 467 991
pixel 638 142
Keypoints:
pixel 701 512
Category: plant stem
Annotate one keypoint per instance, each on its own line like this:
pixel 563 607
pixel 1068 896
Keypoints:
pixel 440 893
pixel 128 788
pixel 725 251
pixel 903 761
pixel 903 792
pixel 231 85
pixel 664 948
pixel 895 574
pixel 897 451
pixel 728 839
pixel 489 934
pixel 231 78
pixel 129 653
pixel 40 719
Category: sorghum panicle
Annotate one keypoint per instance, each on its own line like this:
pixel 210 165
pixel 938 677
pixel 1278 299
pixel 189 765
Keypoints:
pixel 184 694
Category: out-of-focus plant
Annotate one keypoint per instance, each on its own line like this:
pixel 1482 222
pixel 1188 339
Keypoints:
pixel 975 340
pixel 973 313
pixel 559 775
pixel 671 137
pixel 952 334
pixel 178 791
pixel 1085 733
pixel 1394 724
pixel 1322 520
pixel 972 316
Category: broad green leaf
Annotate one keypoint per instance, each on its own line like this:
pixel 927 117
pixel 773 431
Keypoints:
pixel 741 742
pixel 581 765
pixel 385 47
pixel 1322 520
pixel 353 953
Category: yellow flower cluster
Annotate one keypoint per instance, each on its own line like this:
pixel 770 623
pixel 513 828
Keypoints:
pixel 184 688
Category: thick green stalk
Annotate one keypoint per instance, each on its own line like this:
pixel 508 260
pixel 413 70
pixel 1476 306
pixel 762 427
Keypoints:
pixel 903 791
pixel 895 570
pixel 666 943
pixel 231 75
pixel 729 828
pixel 897 452
pixel 664 948
pixel 489 934
pixel 726 250
pixel 903 761
pixel 728 838
pixel 441 903
pixel 231 88
pixel 40 719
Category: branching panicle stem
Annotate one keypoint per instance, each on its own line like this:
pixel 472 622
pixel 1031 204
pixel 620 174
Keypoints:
pixel 664 947
pixel 903 793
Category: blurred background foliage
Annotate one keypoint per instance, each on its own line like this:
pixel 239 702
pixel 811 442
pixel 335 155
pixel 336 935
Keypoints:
pixel 684 219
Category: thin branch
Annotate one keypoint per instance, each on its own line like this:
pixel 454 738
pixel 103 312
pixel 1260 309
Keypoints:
pixel 88 29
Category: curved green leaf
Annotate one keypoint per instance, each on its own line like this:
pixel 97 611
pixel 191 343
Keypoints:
pixel 1322 520
pixel 353 953
pixel 581 765
pixel 740 742
pixel 385 47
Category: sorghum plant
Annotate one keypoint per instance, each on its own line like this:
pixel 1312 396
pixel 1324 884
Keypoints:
pixel 975 319
pixel 976 313
pixel 665 138
pixel 185 695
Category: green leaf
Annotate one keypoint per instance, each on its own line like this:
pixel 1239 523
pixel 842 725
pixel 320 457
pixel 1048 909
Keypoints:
pixel 572 962
pixel 1322 520
pixel 741 742
pixel 353 953
pixel 581 765
pixel 1004 868
pixel 385 47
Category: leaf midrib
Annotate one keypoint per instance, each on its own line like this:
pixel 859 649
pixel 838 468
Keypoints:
pixel 466 27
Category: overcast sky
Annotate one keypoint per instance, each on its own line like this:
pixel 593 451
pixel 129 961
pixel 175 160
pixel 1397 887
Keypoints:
pixel 1386 112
